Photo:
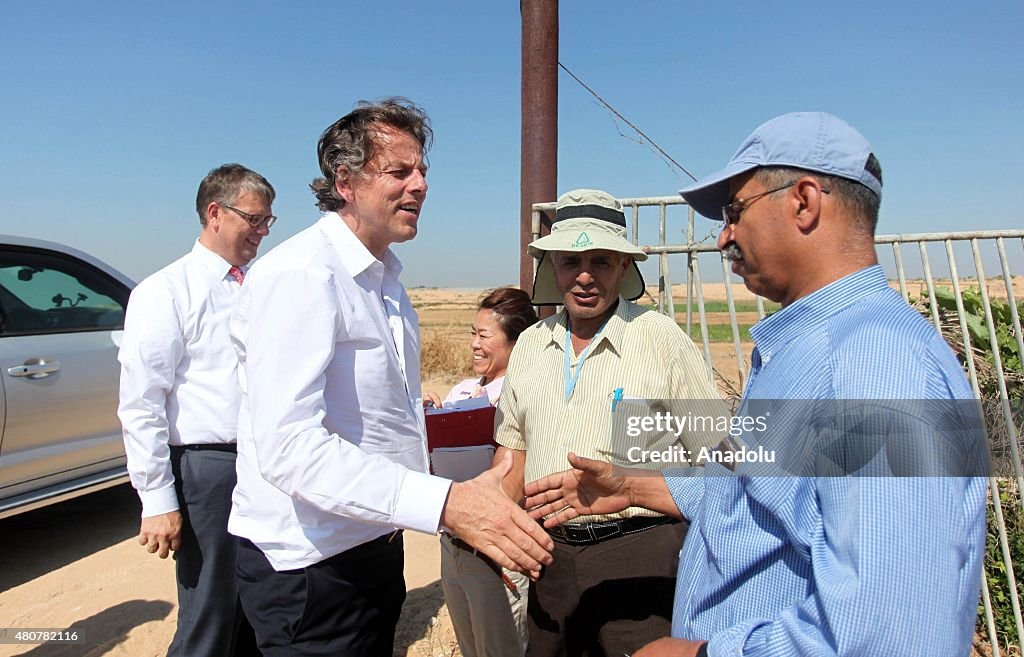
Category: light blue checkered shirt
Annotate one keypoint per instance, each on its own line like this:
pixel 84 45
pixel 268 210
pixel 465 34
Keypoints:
pixel 836 565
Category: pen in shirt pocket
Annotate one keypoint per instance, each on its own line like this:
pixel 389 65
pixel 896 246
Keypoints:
pixel 616 396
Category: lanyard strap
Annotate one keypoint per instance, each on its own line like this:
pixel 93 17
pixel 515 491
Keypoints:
pixel 571 379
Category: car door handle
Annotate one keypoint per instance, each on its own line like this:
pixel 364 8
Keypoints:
pixel 35 370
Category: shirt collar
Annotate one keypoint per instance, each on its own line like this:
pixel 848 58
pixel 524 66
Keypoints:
pixel 610 333
pixel 216 264
pixel 806 313
pixel 355 257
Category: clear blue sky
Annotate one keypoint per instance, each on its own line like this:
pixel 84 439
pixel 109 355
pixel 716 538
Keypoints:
pixel 112 112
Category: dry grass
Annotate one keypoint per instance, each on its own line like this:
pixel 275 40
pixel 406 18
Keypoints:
pixel 445 354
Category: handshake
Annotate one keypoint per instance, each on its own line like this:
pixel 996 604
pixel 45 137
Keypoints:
pixel 481 513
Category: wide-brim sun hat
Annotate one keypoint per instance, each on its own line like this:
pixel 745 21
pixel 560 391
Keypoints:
pixel 814 141
pixel 585 220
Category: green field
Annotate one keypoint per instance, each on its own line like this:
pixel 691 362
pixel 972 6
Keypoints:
pixel 720 331
pixel 723 307
pixel 717 332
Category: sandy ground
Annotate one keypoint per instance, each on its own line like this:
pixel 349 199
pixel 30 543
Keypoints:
pixel 78 564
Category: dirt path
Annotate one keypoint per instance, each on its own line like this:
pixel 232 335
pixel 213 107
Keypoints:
pixel 78 564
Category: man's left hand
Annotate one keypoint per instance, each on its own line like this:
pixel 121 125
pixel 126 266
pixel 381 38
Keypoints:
pixel 590 488
pixel 669 647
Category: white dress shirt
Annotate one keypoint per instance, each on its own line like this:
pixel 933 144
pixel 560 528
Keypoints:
pixel 179 372
pixel 331 447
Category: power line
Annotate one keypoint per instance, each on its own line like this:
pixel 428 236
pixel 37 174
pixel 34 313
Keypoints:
pixel 626 121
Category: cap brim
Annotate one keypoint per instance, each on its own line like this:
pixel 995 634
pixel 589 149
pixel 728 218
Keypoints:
pixel 707 196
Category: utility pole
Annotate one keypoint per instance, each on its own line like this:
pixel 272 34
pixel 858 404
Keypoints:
pixel 539 138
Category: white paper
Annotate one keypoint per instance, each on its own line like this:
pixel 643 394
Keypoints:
pixel 469 404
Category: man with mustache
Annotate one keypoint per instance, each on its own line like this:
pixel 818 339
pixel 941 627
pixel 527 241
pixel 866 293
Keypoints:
pixel 573 382
pixel 876 547
pixel 179 400
pixel 332 455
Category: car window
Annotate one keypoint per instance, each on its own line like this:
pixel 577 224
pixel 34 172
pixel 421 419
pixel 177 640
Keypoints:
pixel 50 292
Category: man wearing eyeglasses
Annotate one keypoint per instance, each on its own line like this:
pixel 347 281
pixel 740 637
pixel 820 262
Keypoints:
pixel 179 399
pixel 875 548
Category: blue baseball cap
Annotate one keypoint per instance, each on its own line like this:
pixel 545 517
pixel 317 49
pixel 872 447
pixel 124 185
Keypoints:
pixel 815 141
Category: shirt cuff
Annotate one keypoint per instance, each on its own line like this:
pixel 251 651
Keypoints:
pixel 159 501
pixel 420 502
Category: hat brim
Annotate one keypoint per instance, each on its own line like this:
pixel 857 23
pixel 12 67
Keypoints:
pixel 563 242
pixel 708 195
pixel 545 290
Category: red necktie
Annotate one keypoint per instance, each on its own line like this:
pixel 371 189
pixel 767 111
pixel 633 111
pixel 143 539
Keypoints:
pixel 237 274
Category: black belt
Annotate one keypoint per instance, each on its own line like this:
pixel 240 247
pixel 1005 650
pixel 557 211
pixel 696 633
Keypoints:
pixel 216 447
pixel 592 533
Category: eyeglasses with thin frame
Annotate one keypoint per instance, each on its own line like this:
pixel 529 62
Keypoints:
pixel 254 220
pixel 731 211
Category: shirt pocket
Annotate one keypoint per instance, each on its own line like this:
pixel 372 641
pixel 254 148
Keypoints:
pixel 626 438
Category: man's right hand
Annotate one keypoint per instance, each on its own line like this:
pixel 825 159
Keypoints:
pixel 480 513
pixel 161 534
pixel 589 488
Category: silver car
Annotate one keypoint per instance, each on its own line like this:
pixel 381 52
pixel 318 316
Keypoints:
pixel 61 319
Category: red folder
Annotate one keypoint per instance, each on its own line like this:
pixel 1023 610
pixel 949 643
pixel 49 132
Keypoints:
pixel 461 428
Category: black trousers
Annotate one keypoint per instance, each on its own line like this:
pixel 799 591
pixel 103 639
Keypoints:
pixel 611 598
pixel 210 618
pixel 346 605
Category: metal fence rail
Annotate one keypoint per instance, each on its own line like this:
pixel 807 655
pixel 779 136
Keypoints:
pixel 928 261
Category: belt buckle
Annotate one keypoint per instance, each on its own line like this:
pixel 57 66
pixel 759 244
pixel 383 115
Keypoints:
pixel 611 530
pixel 564 532
pixel 578 534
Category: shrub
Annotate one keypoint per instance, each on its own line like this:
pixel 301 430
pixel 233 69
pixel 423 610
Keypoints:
pixel 995 568
pixel 981 345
